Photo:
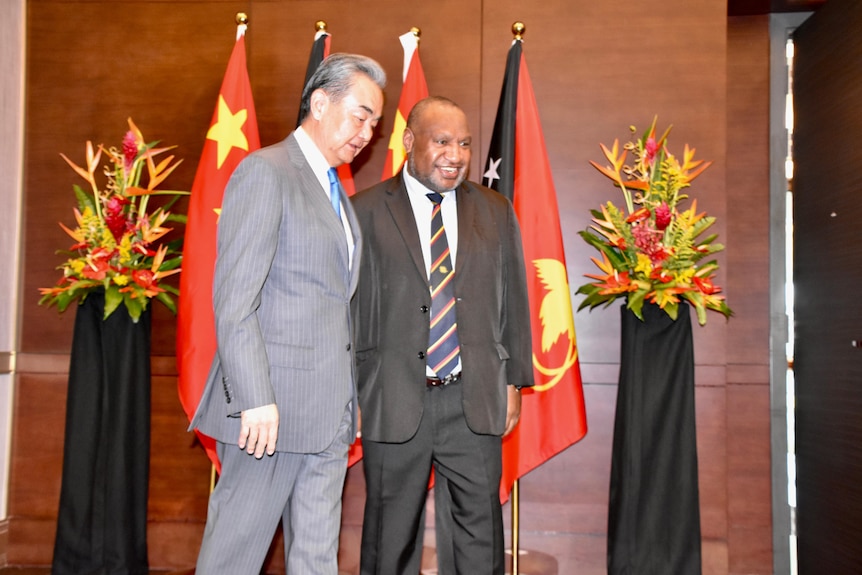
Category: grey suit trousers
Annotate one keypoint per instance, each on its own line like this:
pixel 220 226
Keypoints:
pixel 304 490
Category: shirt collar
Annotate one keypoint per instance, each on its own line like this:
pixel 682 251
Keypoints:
pixel 314 156
pixel 418 190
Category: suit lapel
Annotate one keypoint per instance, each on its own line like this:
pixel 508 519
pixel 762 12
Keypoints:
pixel 466 221
pixel 320 205
pixel 399 207
pixel 347 207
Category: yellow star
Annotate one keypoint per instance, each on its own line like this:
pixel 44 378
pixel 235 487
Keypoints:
pixel 227 131
pixel 396 143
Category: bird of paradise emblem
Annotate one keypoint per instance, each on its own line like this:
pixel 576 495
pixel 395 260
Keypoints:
pixel 555 315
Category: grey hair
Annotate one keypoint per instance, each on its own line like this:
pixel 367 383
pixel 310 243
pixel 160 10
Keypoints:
pixel 335 77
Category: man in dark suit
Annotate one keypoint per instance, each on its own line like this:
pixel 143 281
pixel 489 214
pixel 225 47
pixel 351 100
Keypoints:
pixel 281 396
pixel 442 258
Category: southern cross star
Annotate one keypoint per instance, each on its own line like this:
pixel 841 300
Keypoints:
pixel 492 173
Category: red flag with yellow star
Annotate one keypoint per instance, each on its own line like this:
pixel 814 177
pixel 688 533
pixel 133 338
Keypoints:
pixel 231 137
pixel 553 415
pixel 413 89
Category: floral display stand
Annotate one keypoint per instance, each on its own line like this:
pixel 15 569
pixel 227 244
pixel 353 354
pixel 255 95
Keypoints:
pixel 654 512
pixel 115 267
pixel 654 257
pixel 102 518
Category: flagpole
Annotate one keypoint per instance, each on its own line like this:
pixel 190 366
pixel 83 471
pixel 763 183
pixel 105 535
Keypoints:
pixel 516 544
pixel 518 29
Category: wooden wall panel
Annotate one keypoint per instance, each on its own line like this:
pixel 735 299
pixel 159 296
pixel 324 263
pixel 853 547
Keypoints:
pixel 748 394
pixel 162 62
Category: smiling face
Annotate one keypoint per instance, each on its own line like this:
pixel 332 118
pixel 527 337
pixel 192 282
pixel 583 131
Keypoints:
pixel 438 146
pixel 341 128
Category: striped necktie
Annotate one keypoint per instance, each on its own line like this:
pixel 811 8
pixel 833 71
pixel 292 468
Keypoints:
pixel 334 191
pixel 443 347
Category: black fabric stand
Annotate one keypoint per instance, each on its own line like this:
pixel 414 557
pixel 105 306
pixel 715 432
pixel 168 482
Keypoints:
pixel 102 519
pixel 654 513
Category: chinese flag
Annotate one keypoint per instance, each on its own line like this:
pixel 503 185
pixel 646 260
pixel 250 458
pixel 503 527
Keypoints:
pixel 232 135
pixel 319 51
pixel 553 415
pixel 413 89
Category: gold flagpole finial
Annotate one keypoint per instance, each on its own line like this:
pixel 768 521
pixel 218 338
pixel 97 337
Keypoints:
pixel 241 19
pixel 416 32
pixel 320 26
pixel 518 30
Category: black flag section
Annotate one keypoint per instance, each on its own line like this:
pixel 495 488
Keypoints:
pixel 318 53
pixel 500 166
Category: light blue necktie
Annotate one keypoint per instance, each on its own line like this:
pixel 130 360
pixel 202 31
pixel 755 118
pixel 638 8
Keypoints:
pixel 334 191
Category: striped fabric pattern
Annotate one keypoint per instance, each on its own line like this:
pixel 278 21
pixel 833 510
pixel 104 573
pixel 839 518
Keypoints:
pixel 443 346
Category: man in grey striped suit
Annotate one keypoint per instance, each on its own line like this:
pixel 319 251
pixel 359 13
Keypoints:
pixel 281 394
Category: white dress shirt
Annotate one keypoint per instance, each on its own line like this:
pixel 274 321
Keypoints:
pixel 320 167
pixel 422 208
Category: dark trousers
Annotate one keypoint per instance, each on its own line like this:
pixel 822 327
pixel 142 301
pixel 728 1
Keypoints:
pixel 396 478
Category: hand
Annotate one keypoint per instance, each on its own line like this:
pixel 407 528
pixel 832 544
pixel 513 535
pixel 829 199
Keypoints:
pixel 259 430
pixel 513 408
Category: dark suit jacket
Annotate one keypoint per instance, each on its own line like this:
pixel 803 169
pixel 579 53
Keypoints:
pixel 393 302
pixel 281 293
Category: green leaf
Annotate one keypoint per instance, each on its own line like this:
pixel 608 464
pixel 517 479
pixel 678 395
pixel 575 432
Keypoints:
pixel 113 299
pixel 135 306
pixel 168 301
pixel 171 264
pixel 170 288
pixel 635 302
pixel 85 199
pixel 616 258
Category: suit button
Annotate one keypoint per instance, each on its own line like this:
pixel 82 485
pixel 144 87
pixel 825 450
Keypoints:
pixel 348 347
pixel 424 309
pixel 421 355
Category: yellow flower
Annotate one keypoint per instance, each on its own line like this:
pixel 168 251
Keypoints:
pixel 121 279
pixel 125 249
pixel 643 265
pixel 684 276
pixel 107 239
pixel 77 266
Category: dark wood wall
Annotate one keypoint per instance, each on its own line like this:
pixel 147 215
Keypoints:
pixel 596 67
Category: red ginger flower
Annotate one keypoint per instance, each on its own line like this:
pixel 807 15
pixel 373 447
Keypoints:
pixel 114 217
pixel 662 216
pixel 130 150
pixel 650 149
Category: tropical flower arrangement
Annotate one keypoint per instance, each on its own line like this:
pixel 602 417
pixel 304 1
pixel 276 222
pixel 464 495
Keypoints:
pixel 653 250
pixel 118 244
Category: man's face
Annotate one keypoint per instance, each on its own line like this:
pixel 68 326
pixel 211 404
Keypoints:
pixel 346 126
pixel 438 147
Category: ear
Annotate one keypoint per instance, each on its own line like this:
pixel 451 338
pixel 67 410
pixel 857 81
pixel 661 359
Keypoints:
pixel 318 103
pixel 407 139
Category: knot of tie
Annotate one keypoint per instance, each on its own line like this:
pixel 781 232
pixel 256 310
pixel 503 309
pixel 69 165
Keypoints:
pixel 435 197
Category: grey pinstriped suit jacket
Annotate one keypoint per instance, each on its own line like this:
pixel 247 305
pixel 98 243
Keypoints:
pixel 281 295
